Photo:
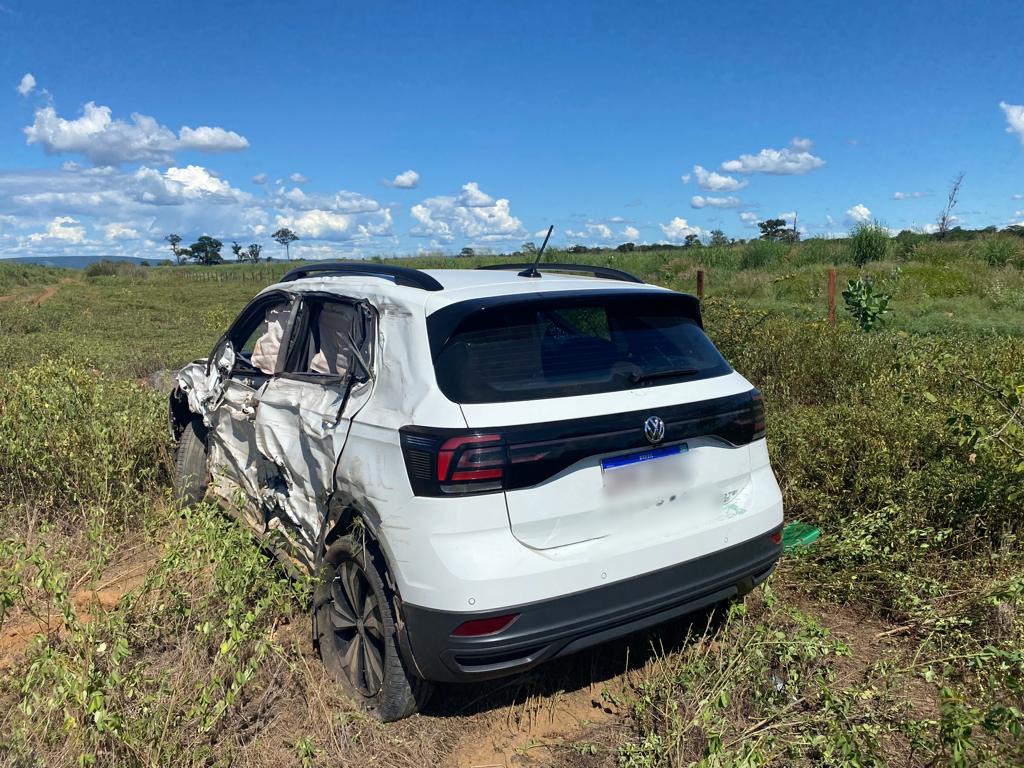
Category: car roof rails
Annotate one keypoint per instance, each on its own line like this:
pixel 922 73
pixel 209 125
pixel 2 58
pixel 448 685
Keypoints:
pixel 609 273
pixel 411 278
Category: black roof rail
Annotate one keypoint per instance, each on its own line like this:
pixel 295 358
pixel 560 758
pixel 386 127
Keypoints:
pixel 412 278
pixel 609 273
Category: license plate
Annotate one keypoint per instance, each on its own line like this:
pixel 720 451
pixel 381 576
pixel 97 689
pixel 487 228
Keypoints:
pixel 652 467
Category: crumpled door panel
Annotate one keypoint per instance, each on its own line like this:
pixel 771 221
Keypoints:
pixel 301 429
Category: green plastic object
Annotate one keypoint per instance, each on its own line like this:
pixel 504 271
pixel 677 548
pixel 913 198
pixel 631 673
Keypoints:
pixel 796 535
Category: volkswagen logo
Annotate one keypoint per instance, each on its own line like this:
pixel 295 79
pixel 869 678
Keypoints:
pixel 654 430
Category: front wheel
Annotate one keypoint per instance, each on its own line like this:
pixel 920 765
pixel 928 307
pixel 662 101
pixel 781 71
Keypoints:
pixel 355 631
pixel 191 473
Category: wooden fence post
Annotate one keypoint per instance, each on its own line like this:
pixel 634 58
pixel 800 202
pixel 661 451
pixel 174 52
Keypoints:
pixel 832 296
pixel 700 284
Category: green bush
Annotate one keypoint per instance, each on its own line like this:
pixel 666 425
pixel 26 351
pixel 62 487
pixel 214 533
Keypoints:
pixel 869 242
pixel 71 439
pixel 867 306
pixel 999 251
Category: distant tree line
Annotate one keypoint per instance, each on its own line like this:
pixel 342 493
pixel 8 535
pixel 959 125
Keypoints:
pixel 206 250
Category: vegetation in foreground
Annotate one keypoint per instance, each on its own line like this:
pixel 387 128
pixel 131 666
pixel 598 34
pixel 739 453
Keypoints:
pixel 895 640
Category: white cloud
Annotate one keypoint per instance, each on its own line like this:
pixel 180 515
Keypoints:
pixel 259 179
pixel 630 233
pixel 27 84
pixel 195 181
pixel 210 139
pixel 62 228
pixel 298 178
pixel 795 159
pixel 317 224
pixel 677 230
pixel 858 214
pixel 1018 197
pixel 716 182
pixel 472 214
pixel 407 180
pixel 104 140
pixel 909 195
pixel 699 201
pixel 801 145
pixel 748 218
pixel 685 178
pixel 1014 119
pixel 118 231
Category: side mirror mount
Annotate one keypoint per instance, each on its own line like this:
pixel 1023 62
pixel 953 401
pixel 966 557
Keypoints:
pixel 225 360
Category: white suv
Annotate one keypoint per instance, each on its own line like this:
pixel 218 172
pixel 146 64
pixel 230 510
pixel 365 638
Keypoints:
pixel 486 468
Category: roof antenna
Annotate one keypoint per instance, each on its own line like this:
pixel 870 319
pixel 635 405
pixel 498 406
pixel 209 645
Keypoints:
pixel 531 271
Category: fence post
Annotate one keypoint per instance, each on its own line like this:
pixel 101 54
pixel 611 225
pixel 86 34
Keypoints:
pixel 700 284
pixel 832 296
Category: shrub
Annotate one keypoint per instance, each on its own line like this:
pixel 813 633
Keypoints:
pixel 999 251
pixel 867 307
pixel 869 242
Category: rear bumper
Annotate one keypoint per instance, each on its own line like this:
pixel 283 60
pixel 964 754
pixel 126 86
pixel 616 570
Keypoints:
pixel 547 629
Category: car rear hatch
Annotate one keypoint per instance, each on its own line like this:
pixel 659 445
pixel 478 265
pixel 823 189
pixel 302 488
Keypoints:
pixel 599 414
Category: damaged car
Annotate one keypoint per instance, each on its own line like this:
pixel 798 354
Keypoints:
pixel 484 469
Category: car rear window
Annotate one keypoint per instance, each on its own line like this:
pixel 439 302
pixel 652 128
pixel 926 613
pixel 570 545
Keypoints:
pixel 570 345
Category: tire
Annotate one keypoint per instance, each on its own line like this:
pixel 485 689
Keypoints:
pixel 359 647
pixel 191 472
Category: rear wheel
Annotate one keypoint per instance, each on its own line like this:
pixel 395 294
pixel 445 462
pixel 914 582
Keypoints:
pixel 355 631
pixel 191 473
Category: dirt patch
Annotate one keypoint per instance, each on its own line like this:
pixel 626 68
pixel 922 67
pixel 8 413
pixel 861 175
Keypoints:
pixel 18 631
pixel 35 299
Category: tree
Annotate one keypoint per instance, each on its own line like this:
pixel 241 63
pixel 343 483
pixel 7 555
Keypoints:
pixel 237 250
pixel 625 247
pixel 467 252
pixel 206 250
pixel 285 237
pixel 692 241
pixel 180 256
pixel 946 218
pixel 530 249
pixel 718 238
pixel 772 229
pixel 253 252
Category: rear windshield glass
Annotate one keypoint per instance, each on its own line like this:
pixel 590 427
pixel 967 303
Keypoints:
pixel 543 348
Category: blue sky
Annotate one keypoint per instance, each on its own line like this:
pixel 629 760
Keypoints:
pixel 403 127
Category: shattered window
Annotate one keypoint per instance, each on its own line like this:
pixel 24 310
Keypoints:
pixel 264 343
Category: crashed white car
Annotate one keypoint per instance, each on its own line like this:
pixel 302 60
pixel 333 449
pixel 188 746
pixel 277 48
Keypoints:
pixel 486 468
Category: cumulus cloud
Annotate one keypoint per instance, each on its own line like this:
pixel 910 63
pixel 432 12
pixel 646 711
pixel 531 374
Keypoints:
pixel 677 230
pixel 118 231
pixel 472 214
pixel 699 201
pixel 858 214
pixel 298 178
pixel 630 233
pixel 259 179
pixel 1014 119
pixel 105 140
pixel 748 218
pixel 716 182
pixel 406 180
pixel 63 228
pixel 909 195
pixel 796 159
pixel 27 84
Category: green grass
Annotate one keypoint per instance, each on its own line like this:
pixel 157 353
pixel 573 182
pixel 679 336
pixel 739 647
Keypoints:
pixel 895 639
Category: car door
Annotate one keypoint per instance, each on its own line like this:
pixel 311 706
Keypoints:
pixel 305 410
pixel 245 359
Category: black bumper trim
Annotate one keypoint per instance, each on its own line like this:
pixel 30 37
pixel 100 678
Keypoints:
pixel 560 626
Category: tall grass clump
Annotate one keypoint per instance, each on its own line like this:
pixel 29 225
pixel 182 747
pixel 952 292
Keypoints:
pixel 762 254
pixel 999 251
pixel 869 242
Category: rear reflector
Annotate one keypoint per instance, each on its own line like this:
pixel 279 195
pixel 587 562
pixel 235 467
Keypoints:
pixel 776 538
pixel 480 627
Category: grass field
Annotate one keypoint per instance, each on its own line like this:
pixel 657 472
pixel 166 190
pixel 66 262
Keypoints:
pixel 131 635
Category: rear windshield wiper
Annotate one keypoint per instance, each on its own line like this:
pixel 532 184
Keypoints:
pixel 636 378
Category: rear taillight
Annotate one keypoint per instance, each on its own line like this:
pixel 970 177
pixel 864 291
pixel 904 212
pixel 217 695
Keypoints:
pixel 757 413
pixel 445 465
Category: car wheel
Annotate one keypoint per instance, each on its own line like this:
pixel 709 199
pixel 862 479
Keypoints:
pixel 355 632
pixel 191 473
